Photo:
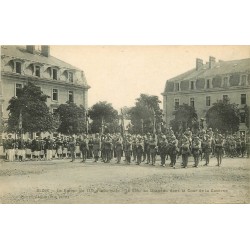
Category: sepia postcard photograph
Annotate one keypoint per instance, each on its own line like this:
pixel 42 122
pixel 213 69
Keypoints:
pixel 124 124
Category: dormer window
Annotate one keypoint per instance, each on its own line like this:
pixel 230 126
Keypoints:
pixel 192 86
pixel 37 70
pixel 70 77
pixel 208 84
pixel 243 80
pixel 54 74
pixel 225 81
pixel 18 67
pixel 177 86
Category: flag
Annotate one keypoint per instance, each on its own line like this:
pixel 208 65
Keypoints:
pixel 20 122
pixel 87 121
pixel 122 123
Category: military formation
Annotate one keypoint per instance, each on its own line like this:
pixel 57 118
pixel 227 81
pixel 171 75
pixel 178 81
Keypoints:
pixel 128 149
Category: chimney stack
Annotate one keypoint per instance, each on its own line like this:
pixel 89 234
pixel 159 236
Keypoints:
pixel 199 63
pixel 30 48
pixel 45 50
pixel 211 62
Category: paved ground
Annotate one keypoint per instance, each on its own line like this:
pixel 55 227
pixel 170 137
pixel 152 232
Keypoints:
pixel 60 181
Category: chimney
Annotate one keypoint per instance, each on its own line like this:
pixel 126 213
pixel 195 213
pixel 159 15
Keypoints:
pixel 30 48
pixel 45 50
pixel 211 62
pixel 199 63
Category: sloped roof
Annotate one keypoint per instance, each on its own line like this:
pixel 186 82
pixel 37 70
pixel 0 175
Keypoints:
pixel 219 68
pixel 21 53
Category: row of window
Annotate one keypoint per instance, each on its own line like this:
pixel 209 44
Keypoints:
pixel 243 101
pixel 208 83
pixel 55 93
pixel 37 71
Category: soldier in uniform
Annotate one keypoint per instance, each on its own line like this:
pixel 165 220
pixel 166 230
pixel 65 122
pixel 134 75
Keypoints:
pixel 248 145
pixel 227 146
pixel 202 136
pixel 163 149
pixel 196 147
pixel 59 147
pixel 10 149
pixel 54 155
pixel 4 147
pixel 84 147
pixel 128 148
pixel 49 148
pixel 28 149
pixel 118 148
pixel 188 134
pixel 134 148
pixel 232 147
pixel 32 146
pixel 103 153
pixel 72 148
pixel 108 148
pixel 173 150
pixel 90 152
pixel 185 150
pixel 36 148
pixel 96 147
pixel 210 133
pixel 207 144
pixel 144 146
pixel 16 149
pixel 152 149
pixel 139 149
pixel 42 149
pixel 238 146
pixel 147 148
pixel 243 145
pixel 78 150
pixel 65 148
pixel 219 143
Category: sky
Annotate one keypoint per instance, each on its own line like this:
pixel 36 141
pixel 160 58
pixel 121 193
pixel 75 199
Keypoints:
pixel 119 74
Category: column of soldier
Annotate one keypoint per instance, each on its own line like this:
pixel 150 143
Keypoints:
pixel 135 149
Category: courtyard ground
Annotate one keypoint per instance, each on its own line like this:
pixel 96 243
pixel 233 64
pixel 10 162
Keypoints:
pixel 61 181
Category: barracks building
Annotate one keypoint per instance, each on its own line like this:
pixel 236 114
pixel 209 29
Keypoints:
pixel 57 79
pixel 207 83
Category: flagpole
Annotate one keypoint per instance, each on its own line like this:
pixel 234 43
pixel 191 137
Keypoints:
pixel 142 126
pixel 20 123
pixel 154 130
pixel 87 122
pixel 87 126
pixel 122 123
pixel 102 126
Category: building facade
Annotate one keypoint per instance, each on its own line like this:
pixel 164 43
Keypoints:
pixel 57 79
pixel 206 84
